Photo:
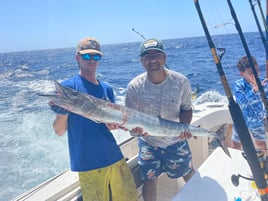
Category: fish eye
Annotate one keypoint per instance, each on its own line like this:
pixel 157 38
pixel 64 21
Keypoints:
pixel 74 93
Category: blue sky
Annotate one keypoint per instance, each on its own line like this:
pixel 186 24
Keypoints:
pixel 46 24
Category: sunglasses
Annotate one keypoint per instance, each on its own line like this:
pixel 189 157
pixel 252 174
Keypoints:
pixel 96 57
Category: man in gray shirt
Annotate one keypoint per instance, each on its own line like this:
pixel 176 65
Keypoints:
pixel 166 94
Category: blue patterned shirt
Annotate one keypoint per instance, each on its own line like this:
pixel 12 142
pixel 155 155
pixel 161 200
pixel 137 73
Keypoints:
pixel 250 103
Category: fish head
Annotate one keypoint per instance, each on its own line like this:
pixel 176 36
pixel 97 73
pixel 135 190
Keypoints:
pixel 68 98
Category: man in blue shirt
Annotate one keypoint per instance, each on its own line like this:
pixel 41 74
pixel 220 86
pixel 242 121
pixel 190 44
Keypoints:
pixel 249 99
pixel 103 172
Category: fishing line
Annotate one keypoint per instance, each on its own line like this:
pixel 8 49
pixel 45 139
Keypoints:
pixel 237 117
pixel 223 24
pixel 220 50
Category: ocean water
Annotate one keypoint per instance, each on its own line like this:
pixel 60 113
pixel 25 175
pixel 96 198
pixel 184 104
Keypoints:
pixel 30 151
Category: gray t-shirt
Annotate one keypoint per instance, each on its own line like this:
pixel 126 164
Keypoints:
pixel 164 100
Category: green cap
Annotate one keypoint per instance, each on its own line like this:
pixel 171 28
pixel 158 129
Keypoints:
pixel 151 44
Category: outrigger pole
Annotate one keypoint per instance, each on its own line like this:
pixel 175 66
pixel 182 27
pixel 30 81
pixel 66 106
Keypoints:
pixel 260 30
pixel 138 33
pixel 244 43
pixel 145 39
pixel 265 23
pixel 238 119
pixel 262 14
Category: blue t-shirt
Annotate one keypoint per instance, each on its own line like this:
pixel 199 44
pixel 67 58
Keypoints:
pixel 91 144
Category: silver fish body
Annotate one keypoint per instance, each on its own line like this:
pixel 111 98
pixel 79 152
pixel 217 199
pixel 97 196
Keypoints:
pixel 106 112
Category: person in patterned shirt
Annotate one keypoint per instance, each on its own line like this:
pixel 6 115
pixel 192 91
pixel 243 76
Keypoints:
pixel 249 99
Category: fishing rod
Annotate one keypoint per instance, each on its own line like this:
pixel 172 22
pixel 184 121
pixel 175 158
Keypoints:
pixel 145 39
pixel 261 33
pixel 258 25
pixel 265 22
pixel 237 117
pixel 244 43
pixel 262 15
pixel 138 33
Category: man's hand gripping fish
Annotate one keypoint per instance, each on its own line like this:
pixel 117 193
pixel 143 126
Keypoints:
pixel 103 111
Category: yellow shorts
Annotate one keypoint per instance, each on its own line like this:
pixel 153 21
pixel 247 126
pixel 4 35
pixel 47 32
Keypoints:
pixel 96 185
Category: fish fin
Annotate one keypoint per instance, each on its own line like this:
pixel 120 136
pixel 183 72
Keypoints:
pixel 58 87
pixel 221 134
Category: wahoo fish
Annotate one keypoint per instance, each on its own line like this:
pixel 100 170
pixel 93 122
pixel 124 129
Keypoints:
pixel 103 111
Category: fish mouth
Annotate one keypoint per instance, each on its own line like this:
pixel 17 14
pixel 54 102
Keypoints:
pixel 58 92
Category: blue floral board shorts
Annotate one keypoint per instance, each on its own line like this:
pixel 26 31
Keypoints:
pixel 175 160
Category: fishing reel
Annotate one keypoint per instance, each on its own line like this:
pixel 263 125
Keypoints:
pixel 264 166
pixel 235 179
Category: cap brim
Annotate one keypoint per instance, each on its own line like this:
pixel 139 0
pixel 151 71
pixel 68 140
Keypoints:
pixel 90 51
pixel 160 50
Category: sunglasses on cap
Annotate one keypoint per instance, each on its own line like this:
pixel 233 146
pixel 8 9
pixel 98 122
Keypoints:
pixel 96 57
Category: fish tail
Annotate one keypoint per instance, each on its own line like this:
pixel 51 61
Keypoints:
pixel 220 138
